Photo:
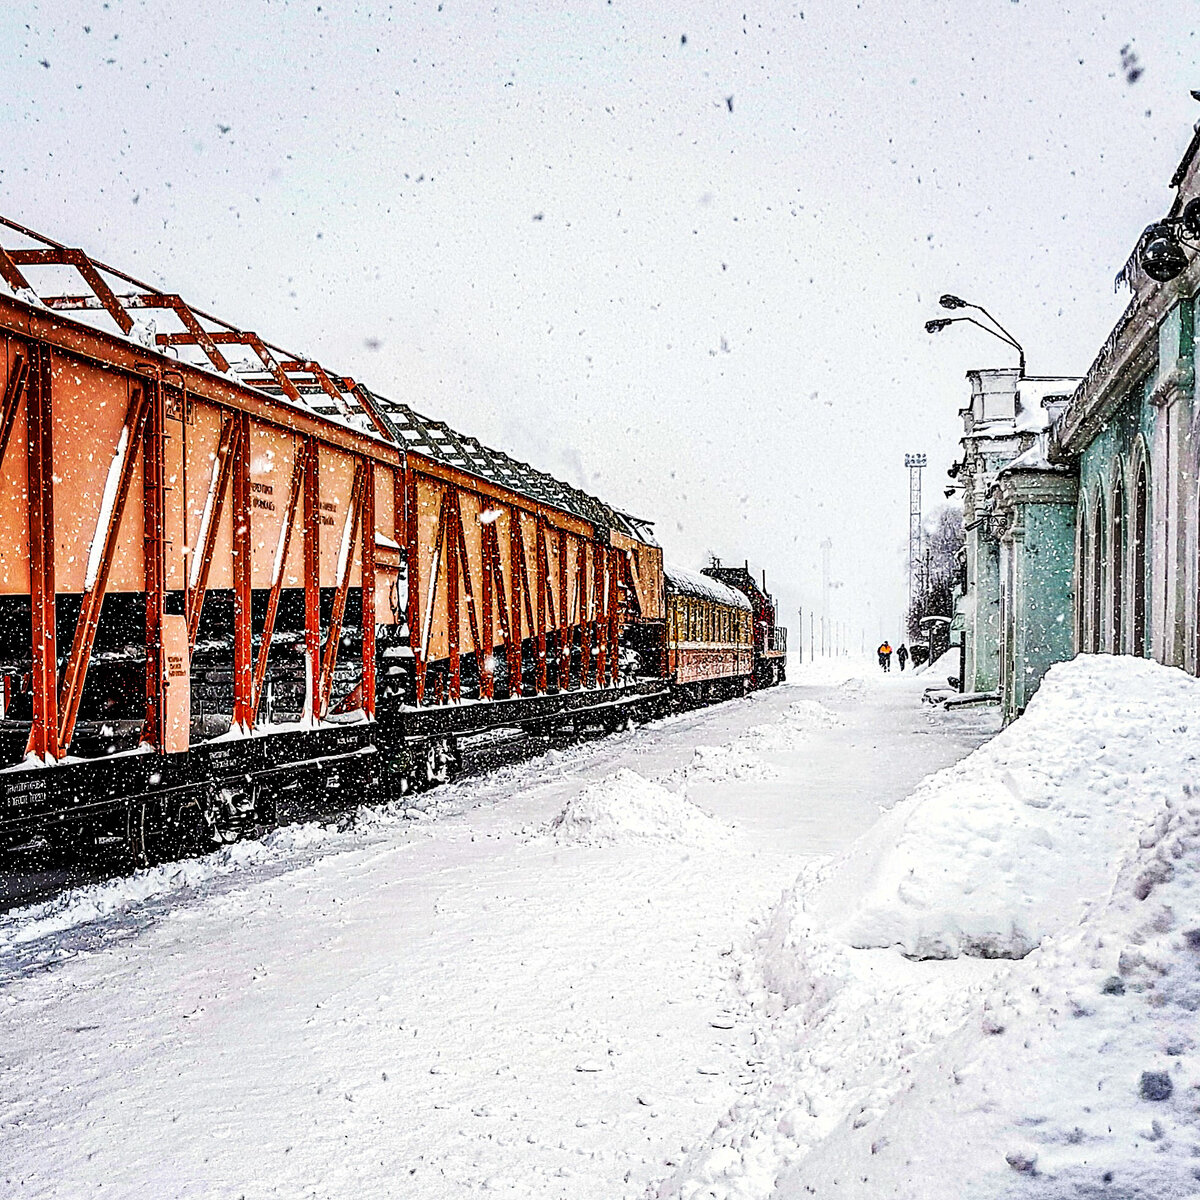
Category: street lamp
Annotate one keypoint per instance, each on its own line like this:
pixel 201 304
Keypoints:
pixel 953 302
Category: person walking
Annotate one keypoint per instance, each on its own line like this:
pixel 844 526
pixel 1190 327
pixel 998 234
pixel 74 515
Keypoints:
pixel 885 656
pixel 902 655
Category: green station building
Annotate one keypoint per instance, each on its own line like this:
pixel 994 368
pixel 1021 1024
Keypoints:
pixel 1097 520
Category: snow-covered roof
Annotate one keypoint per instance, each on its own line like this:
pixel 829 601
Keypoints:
pixel 692 583
pixel 1032 393
pixel 1036 458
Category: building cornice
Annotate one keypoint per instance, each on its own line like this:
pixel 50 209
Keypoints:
pixel 1127 354
pixel 1036 486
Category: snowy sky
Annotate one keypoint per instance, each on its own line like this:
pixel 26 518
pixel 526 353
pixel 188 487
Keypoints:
pixel 678 254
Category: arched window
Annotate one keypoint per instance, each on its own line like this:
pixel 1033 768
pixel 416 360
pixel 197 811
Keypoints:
pixel 1116 572
pixel 1098 575
pixel 1139 531
pixel 1083 572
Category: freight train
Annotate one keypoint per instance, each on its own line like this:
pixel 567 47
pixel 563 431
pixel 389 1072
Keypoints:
pixel 234 584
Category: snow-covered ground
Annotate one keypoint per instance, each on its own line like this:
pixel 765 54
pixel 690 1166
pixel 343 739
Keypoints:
pixel 557 982
pixel 1044 1042
pixel 689 961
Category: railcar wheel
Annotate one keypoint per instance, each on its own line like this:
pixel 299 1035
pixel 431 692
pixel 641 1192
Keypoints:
pixel 149 838
pixel 437 764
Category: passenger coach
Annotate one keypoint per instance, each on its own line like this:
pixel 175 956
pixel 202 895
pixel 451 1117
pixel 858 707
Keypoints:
pixel 710 642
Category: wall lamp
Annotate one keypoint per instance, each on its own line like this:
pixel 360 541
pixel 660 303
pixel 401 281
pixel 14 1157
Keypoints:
pixel 953 302
pixel 1160 248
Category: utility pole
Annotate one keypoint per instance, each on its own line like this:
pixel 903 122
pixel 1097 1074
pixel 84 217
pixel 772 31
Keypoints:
pixel 915 464
pixel 826 547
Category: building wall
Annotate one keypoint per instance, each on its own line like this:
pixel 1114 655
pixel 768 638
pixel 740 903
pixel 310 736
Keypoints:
pixel 1038 587
pixel 984 670
pixel 1150 430
pixel 1131 430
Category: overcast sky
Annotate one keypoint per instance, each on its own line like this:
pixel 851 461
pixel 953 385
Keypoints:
pixel 679 254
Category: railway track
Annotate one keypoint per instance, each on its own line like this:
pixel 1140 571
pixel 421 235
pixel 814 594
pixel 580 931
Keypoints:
pixel 35 872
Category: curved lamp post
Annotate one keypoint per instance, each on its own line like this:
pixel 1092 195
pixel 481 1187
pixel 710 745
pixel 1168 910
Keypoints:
pixel 953 302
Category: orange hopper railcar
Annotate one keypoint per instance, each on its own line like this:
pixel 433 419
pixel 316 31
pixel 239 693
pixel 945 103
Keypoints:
pixel 232 581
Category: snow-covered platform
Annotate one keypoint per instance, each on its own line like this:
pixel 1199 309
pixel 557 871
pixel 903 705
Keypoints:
pixel 532 989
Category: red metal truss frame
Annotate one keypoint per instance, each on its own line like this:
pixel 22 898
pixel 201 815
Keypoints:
pixel 43 732
pixel 312 581
pixel 236 337
pixel 295 493
pixel 196 334
pixel 330 651
pixel 367 581
pixel 601 656
pixel 280 366
pixel 154 559
pixel 227 449
pixel 13 394
pixel 585 615
pixel 519 596
pixel 293 393
pixel 536 594
pixel 448 535
pixel 413 616
pixel 92 600
pixel 542 599
pixel 243 649
pixel 494 597
pixel 462 566
pixel 614 617
pixel 62 256
pixel 567 631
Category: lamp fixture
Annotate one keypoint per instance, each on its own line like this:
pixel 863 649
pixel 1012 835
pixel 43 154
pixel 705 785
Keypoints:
pixel 1160 249
pixel 950 301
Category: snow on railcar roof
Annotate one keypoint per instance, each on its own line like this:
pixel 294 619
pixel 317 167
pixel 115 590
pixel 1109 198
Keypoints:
pixel 436 440
pixel 692 583
pixel 297 379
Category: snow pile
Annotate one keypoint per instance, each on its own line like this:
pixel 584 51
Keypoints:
pixel 945 665
pixel 1019 839
pixel 811 712
pixel 790 732
pixel 628 807
pixel 1077 1077
pixel 734 761
pixel 837 1034
pixel 1072 838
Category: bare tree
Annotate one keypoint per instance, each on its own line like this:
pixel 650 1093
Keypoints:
pixel 941 569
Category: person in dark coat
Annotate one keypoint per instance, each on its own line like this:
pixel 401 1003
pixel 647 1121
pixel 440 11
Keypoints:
pixel 902 655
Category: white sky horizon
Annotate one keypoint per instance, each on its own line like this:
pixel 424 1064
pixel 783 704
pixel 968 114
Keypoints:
pixel 550 227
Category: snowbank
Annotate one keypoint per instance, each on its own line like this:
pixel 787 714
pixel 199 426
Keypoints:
pixel 628 807
pixel 1078 1076
pixel 1073 839
pixel 946 664
pixel 1021 838
pixel 735 760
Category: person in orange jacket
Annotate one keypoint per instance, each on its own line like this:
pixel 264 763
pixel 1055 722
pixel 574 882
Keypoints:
pixel 885 656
